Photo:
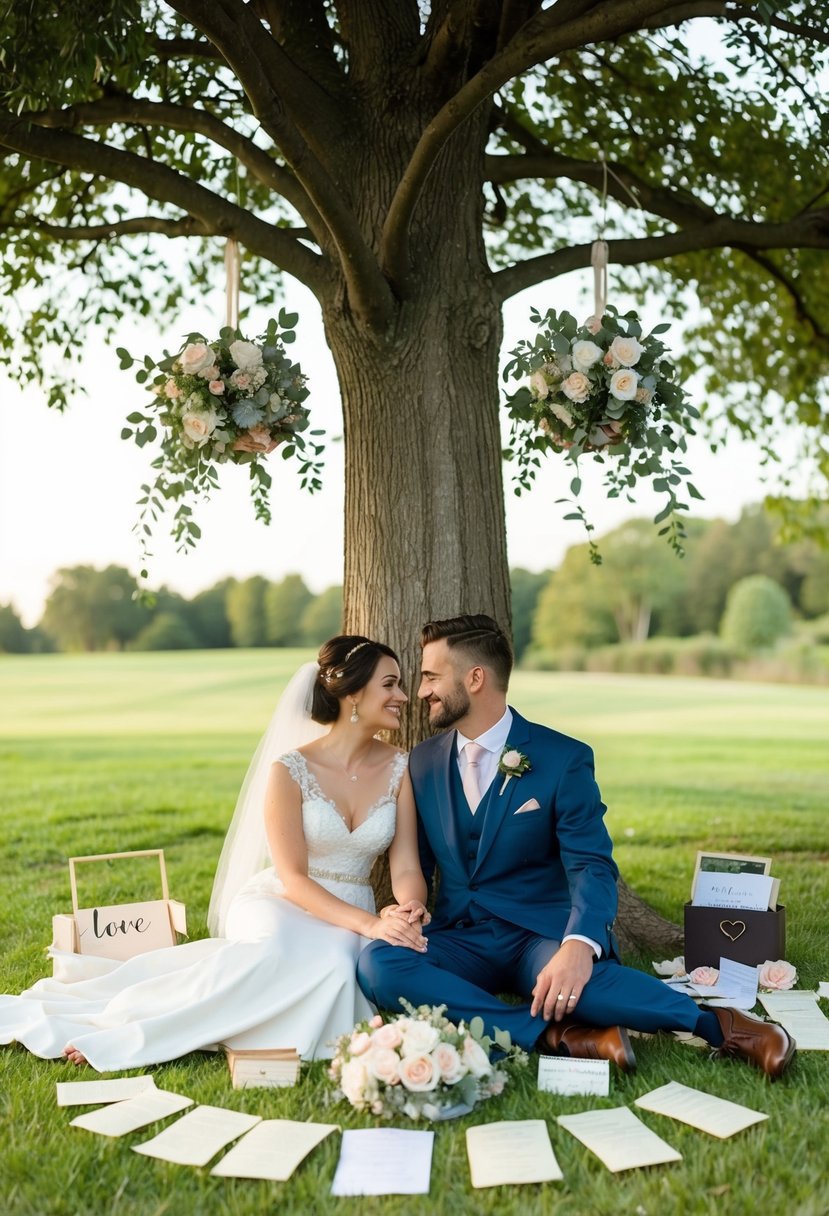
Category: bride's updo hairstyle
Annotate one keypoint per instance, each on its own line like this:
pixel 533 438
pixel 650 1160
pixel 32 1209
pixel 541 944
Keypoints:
pixel 347 663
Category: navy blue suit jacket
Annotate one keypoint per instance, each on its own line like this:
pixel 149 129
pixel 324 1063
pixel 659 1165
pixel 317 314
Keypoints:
pixel 549 870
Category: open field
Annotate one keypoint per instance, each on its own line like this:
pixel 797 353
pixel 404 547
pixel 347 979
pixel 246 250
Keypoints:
pixel 113 752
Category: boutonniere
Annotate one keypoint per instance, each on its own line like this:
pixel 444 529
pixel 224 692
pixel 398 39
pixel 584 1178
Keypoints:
pixel 512 764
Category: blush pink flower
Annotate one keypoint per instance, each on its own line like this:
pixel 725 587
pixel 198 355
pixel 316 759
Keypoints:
pixel 383 1064
pixel 704 975
pixel 449 1062
pixel 376 1021
pixel 360 1042
pixel 216 387
pixel 777 976
pixel 419 1074
pixel 387 1036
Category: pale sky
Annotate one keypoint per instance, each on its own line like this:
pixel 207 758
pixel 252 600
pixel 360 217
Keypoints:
pixel 68 482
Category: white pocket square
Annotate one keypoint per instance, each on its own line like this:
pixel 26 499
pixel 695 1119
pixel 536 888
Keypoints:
pixel 532 805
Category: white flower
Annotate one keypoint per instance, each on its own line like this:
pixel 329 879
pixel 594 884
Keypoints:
pixel 360 1041
pixel 384 1064
pixel 449 1063
pixel 585 354
pixel 576 387
pixel 475 1058
pixel 777 976
pixel 199 425
pixel 246 355
pixel 353 1081
pixel 624 383
pixel 419 1038
pixel 562 413
pixel 511 759
pixel 419 1074
pixel 195 357
pixel 670 966
pixel 626 350
pixel 538 383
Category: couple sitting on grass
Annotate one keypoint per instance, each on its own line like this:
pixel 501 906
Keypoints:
pixel 508 811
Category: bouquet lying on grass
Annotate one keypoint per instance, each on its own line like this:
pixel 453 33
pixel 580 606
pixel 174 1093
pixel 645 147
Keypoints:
pixel 607 388
pixel 228 400
pixel 420 1064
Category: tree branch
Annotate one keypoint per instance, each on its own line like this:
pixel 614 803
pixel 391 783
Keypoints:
pixel 789 285
pixel 677 13
pixel 807 231
pixel 127 109
pixel 185 48
pixel 187 226
pixel 258 61
pixel 165 185
pixel 541 38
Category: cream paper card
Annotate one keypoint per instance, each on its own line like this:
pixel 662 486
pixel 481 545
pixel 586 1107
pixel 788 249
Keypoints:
pixel 195 1138
pixel 750 892
pixel 92 1093
pixel 273 1149
pixel 563 1075
pixel 123 1117
pixel 737 985
pixel 510 1153
pixel 619 1139
pixel 384 1161
pixel 704 1111
pixel 799 1013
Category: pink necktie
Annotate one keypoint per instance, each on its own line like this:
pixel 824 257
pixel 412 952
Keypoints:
pixel 471 785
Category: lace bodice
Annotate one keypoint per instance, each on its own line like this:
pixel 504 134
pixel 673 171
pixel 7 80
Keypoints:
pixel 333 850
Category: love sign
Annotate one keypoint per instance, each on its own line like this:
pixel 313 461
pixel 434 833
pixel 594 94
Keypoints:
pixel 121 930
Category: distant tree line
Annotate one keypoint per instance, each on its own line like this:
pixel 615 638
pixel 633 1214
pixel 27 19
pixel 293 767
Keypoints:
pixel 736 579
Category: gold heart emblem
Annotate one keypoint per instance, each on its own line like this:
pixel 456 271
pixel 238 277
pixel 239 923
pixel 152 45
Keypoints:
pixel 733 929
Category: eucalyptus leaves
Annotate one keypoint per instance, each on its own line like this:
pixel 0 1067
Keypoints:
pixel 608 389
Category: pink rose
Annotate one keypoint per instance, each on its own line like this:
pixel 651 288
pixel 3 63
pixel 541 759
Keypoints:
pixel 217 387
pixel 624 383
pixel 511 759
pixel 449 1063
pixel 383 1064
pixel 418 1073
pixel 387 1036
pixel 593 324
pixel 539 385
pixel 359 1043
pixel 195 357
pixel 241 380
pixel 376 1021
pixel 609 361
pixel 704 975
pixel 171 390
pixel 777 976
pixel 576 387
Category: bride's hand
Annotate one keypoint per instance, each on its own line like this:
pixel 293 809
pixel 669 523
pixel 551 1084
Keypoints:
pixel 414 910
pixel 397 931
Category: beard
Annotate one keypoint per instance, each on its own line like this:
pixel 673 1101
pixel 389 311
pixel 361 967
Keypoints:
pixel 449 709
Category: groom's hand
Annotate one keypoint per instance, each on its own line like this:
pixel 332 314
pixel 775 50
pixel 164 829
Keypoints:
pixel 415 910
pixel 559 985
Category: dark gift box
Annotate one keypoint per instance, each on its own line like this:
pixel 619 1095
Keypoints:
pixel 746 937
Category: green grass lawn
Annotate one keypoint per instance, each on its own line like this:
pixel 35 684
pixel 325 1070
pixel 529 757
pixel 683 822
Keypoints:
pixel 115 752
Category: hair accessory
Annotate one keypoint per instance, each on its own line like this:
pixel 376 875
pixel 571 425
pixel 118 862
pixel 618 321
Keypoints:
pixel 354 650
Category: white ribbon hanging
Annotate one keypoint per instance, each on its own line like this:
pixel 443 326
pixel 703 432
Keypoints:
pixel 598 260
pixel 232 280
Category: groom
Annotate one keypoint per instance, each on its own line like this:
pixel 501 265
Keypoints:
pixel 510 813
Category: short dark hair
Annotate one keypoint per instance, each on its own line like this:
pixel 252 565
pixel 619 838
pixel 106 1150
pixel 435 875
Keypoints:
pixel 347 663
pixel 479 638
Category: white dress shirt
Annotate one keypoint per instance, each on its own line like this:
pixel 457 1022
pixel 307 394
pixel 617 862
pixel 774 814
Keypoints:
pixel 494 741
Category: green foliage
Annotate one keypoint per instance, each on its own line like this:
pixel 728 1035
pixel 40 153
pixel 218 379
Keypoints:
pixel 14 637
pixel 245 606
pixel 323 617
pixel 285 606
pixel 207 615
pixel 757 613
pixel 525 588
pixel 91 609
pixel 166 631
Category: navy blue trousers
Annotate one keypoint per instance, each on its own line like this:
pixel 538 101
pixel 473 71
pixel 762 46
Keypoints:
pixel 465 968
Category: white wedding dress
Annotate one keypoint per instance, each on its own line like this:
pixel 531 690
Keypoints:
pixel 280 977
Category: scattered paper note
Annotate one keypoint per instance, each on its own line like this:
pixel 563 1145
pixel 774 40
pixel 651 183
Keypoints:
pixel 564 1075
pixel 618 1138
pixel 823 989
pixel 717 1116
pixel 92 1093
pixel 798 1012
pixel 748 892
pixel 384 1161
pixel 736 987
pixel 510 1153
pixel 195 1138
pixel 123 1117
pixel 273 1149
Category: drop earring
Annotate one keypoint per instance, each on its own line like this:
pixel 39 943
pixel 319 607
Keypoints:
pixel 355 717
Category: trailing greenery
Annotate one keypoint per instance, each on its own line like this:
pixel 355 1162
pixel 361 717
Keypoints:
pixel 131 751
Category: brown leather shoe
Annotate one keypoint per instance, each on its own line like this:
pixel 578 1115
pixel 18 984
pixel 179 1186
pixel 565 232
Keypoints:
pixel 588 1043
pixel 764 1044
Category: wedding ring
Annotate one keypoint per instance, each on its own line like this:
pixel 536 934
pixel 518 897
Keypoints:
pixel 560 996
pixel 571 998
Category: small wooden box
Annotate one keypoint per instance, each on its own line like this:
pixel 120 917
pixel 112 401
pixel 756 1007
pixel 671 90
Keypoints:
pixel 739 934
pixel 268 1068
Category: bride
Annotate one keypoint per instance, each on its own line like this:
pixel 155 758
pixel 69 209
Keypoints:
pixel 280 969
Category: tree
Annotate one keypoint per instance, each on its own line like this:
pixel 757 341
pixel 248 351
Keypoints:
pixel 207 615
pixel 246 612
pixel 367 149
pixel 91 609
pixel 323 618
pixel 525 588
pixel 757 613
pixel 285 605
pixel 166 631
pixel 14 637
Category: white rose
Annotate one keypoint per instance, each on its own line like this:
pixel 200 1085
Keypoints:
pixel 511 759
pixel 384 1064
pixel 449 1063
pixel 538 384
pixel 353 1080
pixel 195 358
pixel 245 355
pixel 387 1036
pixel 419 1073
pixel 476 1059
pixel 576 387
pixel 199 426
pixel 626 350
pixel 419 1038
pixel 585 354
pixel 624 384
